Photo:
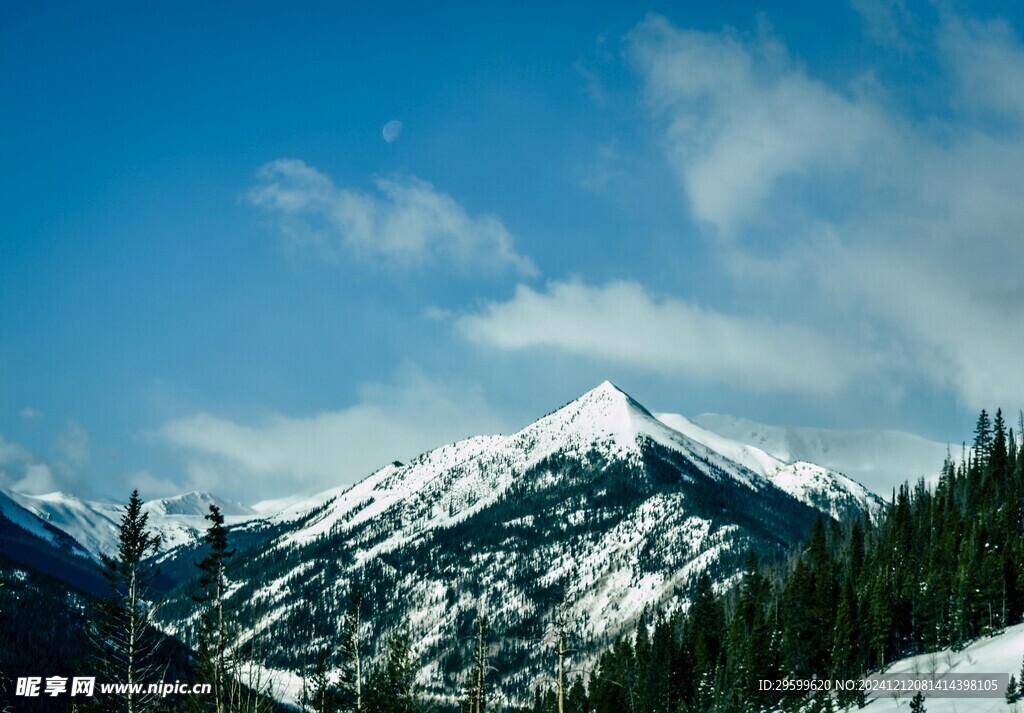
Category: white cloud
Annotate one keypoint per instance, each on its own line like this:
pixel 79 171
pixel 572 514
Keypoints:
pixel 150 486
pixel 281 455
pixel 909 221
pixel 889 23
pixel 21 472
pixel 988 62
pixel 36 479
pixel 30 414
pixel 73 444
pixel 621 323
pixel 12 452
pixel 27 472
pixel 406 224
pixel 738 119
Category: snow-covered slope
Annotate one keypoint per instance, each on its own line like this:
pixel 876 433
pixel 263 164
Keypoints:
pixel 810 483
pixel 33 525
pixel 94 525
pixel 1001 653
pixel 879 459
pixel 598 506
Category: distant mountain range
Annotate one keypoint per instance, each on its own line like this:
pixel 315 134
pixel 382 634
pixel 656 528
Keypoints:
pixel 93 525
pixel 600 510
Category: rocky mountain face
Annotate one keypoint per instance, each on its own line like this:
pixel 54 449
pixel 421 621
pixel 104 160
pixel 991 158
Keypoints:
pixel 591 515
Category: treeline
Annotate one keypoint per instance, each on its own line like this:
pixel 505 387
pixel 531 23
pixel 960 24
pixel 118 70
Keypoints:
pixel 940 568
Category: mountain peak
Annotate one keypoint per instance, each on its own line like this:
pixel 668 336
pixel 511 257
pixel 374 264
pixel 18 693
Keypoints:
pixel 605 400
pixel 607 386
pixel 195 503
pixel 605 412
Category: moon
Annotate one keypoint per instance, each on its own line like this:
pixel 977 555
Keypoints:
pixel 392 130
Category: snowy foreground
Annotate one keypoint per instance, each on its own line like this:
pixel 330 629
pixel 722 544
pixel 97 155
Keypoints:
pixel 996 654
pixel 1001 653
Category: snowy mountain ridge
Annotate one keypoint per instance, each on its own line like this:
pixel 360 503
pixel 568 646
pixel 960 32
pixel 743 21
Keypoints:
pixel 604 417
pixel 880 459
pixel 178 520
pixel 598 505
pixel 820 487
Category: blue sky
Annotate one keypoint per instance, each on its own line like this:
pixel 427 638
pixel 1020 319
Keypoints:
pixel 215 271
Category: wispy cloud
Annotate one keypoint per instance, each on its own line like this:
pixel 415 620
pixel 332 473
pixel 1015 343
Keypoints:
pixel 405 224
pixel 621 323
pixel 74 445
pixel 866 204
pixel 739 118
pixel 988 61
pixel 279 454
pixel 22 472
pixel 12 452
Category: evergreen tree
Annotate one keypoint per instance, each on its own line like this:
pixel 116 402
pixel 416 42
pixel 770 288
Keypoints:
pixel 917 703
pixel 1012 690
pixel 846 662
pixel 982 437
pixel 323 694
pixel 392 687
pixel 1020 684
pixel 122 631
pixel 998 456
pixel 350 677
pixel 576 701
pixel 216 632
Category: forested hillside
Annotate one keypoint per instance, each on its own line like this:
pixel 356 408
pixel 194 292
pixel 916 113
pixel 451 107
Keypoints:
pixel 941 568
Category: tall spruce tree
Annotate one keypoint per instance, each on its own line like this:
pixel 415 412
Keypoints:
pixel 323 693
pixel 350 676
pixel 216 631
pixel 127 641
pixel 392 686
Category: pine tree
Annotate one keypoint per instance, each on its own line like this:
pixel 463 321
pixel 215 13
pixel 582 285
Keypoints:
pixel 1012 690
pixel 215 631
pixel 917 703
pixel 982 437
pixel 393 686
pixel 846 664
pixel 323 696
pixel 122 631
pixel 576 702
pixel 350 677
pixel 998 458
pixel 1020 685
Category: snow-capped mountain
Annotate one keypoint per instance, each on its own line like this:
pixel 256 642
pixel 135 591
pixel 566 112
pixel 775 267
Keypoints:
pixel 879 459
pixel 32 525
pixel 178 520
pixel 822 488
pixel 28 541
pixel 599 510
